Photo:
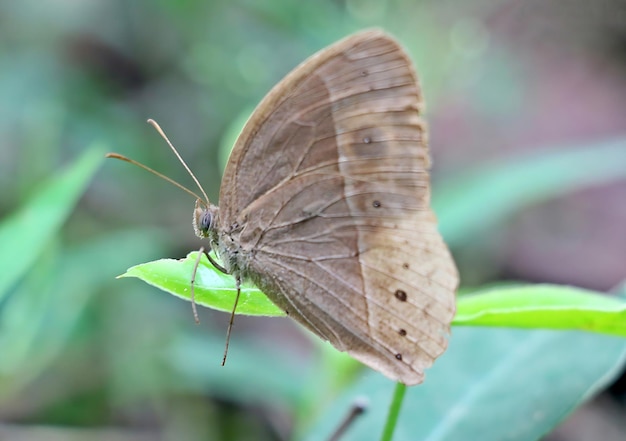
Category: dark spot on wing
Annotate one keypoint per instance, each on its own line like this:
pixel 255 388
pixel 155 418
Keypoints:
pixel 376 204
pixel 398 356
pixel 402 332
pixel 400 295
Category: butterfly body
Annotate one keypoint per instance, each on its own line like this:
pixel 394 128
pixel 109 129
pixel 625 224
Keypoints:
pixel 325 206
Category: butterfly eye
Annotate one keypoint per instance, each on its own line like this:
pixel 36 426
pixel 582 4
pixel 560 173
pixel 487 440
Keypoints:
pixel 205 221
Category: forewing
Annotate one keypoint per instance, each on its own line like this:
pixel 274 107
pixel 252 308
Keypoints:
pixel 329 181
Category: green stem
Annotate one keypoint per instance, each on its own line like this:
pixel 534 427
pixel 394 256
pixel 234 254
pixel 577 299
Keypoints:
pixel 394 412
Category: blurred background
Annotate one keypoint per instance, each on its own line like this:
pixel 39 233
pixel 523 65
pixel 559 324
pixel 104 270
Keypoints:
pixel 526 102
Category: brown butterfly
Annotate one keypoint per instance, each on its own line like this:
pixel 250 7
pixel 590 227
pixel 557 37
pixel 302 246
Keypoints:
pixel 325 206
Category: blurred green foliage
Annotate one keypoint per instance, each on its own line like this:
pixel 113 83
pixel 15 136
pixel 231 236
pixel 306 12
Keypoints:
pixel 82 350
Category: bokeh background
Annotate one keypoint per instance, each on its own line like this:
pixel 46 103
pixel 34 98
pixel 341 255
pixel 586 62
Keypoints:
pixel 535 83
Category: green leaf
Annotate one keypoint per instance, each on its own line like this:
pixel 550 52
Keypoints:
pixel 491 385
pixel 525 306
pixel 212 288
pixel 470 205
pixel 25 233
pixel 543 306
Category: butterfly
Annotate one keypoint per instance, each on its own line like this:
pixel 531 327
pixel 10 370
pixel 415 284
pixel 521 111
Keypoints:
pixel 325 206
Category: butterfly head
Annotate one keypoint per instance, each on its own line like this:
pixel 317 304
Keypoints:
pixel 204 219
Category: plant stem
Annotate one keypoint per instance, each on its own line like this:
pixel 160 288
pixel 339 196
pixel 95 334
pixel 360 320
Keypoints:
pixel 394 412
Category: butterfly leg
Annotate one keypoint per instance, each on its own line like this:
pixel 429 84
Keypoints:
pixel 232 318
pixel 213 262
pixel 193 284
pixel 206 252
pixel 193 303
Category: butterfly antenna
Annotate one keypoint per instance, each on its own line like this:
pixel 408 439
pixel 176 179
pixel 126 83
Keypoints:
pixel 154 172
pixel 232 318
pixel 158 128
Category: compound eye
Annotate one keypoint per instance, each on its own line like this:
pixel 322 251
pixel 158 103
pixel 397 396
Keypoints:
pixel 205 220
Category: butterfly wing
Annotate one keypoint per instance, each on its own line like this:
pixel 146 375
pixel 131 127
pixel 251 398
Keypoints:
pixel 326 198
